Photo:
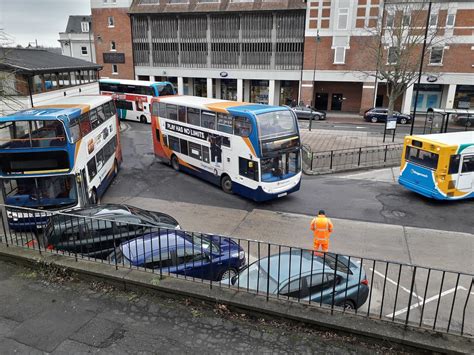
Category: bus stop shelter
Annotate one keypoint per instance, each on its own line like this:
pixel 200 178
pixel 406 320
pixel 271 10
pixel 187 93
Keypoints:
pixel 437 119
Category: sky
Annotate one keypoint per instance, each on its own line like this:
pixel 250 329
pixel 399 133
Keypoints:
pixel 25 21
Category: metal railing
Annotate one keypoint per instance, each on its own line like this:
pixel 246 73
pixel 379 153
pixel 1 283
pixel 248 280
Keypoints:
pixel 413 295
pixel 352 158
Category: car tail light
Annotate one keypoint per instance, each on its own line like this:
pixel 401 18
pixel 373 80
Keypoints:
pixel 50 247
pixel 365 282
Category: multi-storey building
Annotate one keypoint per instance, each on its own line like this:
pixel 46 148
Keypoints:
pixel 77 40
pixel 276 51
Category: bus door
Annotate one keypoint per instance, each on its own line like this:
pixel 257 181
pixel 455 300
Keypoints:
pixel 82 188
pixel 466 174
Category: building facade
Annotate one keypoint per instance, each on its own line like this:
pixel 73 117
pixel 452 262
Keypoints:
pixel 282 50
pixel 78 39
pixel 113 38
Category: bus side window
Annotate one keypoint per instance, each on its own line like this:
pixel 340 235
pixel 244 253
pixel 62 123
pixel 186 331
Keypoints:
pixel 224 123
pixel 92 169
pixel 208 119
pixel 94 119
pixel 74 129
pixel 248 168
pixel 162 111
pixel 85 124
pixel 155 109
pixel 112 107
pixel 468 164
pixel 454 164
pixel 194 116
pixel 242 126
pixel 106 110
pixel 182 114
pixel 172 111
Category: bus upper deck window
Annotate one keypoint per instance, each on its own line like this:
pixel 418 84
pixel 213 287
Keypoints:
pixel 454 164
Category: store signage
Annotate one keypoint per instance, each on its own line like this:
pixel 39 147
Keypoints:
pixel 431 79
pixel 224 74
pixel 114 58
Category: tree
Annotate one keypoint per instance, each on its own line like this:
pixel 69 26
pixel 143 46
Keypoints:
pixel 9 100
pixel 399 44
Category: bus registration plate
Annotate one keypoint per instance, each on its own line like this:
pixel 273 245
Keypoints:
pixel 282 194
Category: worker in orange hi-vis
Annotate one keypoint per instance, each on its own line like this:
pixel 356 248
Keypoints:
pixel 322 228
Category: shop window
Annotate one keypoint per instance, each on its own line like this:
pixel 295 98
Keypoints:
pixel 248 168
pixel 339 55
pixel 436 55
pixel 194 116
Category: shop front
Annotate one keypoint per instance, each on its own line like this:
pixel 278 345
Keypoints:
pixel 464 97
pixel 259 91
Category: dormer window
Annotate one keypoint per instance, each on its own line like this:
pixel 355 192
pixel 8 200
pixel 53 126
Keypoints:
pixel 85 26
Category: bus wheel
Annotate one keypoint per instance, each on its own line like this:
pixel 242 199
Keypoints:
pixel 94 199
pixel 175 163
pixel 143 119
pixel 226 184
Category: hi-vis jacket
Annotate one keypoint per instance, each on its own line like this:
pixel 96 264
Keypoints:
pixel 321 227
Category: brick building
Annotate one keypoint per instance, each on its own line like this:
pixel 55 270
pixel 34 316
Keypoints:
pixel 274 51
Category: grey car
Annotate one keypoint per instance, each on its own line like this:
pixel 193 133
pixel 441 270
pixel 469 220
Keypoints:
pixel 305 275
pixel 465 120
pixel 303 112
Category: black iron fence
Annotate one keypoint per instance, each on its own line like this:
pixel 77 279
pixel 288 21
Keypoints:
pixel 417 296
pixel 352 158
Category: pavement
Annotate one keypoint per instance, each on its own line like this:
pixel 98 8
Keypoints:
pixel 49 312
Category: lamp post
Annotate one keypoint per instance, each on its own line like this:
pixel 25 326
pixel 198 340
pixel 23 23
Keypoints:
pixel 318 39
pixel 421 67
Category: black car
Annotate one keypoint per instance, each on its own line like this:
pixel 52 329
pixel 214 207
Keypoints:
pixel 375 115
pixel 303 112
pixel 464 120
pixel 96 231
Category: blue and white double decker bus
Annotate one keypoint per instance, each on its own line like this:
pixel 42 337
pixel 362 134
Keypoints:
pixel 249 149
pixel 56 157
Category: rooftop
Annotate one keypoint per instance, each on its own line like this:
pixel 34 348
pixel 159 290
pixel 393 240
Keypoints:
pixel 36 61
pixel 74 23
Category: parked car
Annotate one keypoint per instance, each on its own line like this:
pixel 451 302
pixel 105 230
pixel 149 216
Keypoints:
pixel 303 112
pixel 98 230
pixel 203 256
pixel 291 274
pixel 375 115
pixel 464 120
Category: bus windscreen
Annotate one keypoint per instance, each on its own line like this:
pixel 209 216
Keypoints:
pixel 276 124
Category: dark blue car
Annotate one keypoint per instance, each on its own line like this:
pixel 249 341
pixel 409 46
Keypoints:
pixel 207 257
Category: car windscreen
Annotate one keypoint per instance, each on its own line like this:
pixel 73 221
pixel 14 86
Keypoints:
pixel 422 157
pixel 256 278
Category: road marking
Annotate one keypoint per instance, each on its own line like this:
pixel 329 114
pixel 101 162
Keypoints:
pixel 396 284
pixel 416 305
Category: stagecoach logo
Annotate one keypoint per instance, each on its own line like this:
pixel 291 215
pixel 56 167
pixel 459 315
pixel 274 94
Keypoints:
pixel 413 171
pixel 196 133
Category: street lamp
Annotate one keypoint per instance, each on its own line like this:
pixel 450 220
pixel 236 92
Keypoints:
pixel 318 39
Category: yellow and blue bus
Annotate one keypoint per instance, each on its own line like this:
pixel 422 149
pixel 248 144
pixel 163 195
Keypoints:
pixel 249 149
pixel 60 156
pixel 439 166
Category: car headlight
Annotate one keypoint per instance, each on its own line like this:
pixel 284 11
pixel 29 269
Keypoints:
pixel 241 255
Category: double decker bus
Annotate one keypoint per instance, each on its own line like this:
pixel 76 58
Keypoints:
pixel 249 149
pixel 56 157
pixel 133 97
pixel 439 166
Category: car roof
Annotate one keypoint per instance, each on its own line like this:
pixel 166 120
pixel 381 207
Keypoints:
pixel 300 262
pixel 155 245
pixel 103 210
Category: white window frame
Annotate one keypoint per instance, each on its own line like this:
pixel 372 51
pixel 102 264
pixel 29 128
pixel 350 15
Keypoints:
pixel 339 14
pixel 388 56
pixel 111 21
pixel 343 55
pixel 435 22
pixel 391 17
pixel 406 15
pixel 82 51
pixel 447 20
pixel 114 69
pixel 442 55
pixel 85 26
pixel 113 46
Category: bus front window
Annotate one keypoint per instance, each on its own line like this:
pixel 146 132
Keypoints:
pixel 28 134
pixel 276 124
pixel 280 167
pixel 48 192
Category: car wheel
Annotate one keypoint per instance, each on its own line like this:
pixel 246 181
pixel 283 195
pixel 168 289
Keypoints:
pixel 348 305
pixel 226 184
pixel 143 119
pixel 227 274
pixel 374 119
pixel 175 163
pixel 403 120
